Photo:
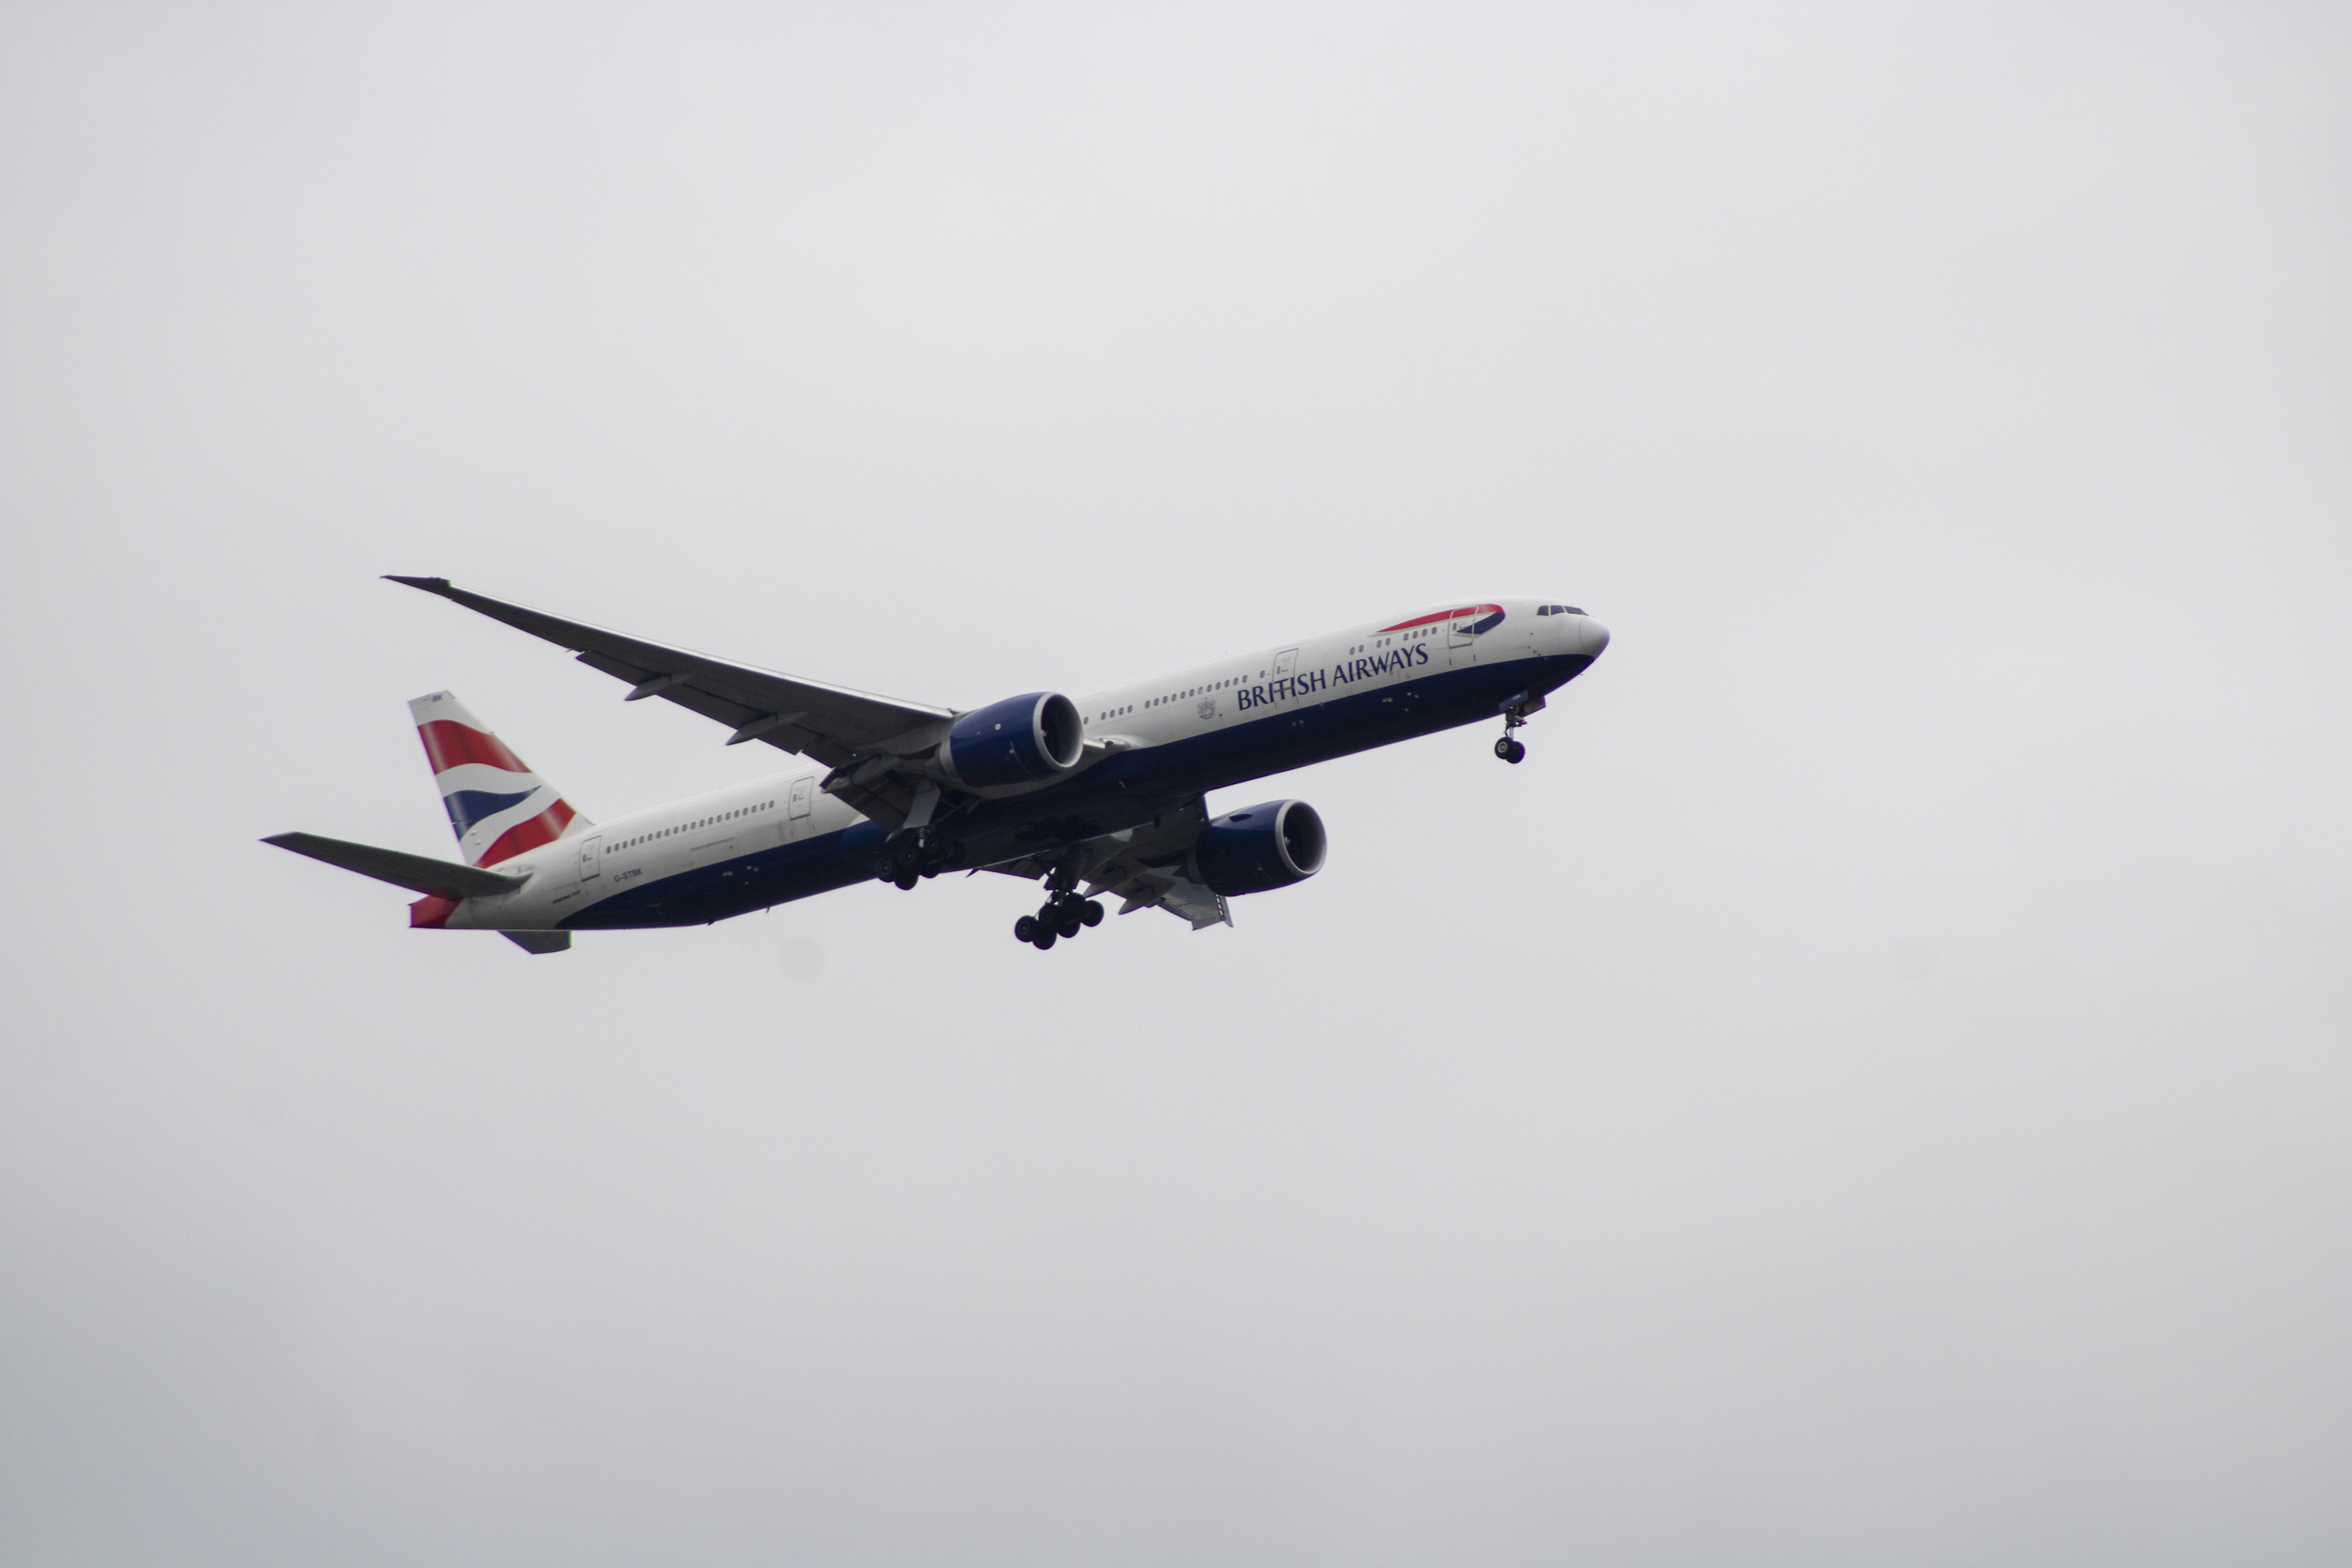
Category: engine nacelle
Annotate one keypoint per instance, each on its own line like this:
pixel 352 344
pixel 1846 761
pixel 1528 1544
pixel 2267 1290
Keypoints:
pixel 1260 848
pixel 1018 741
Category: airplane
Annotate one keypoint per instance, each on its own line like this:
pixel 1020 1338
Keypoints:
pixel 1096 797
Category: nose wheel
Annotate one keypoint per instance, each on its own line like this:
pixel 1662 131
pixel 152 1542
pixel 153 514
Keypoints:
pixel 1515 709
pixel 1508 748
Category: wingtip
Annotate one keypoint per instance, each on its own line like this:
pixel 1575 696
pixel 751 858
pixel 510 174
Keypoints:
pixel 430 585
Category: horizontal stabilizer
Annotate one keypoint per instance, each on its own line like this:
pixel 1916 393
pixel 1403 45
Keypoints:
pixel 419 873
pixel 539 941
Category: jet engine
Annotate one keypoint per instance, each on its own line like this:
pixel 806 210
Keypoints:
pixel 1260 848
pixel 1019 740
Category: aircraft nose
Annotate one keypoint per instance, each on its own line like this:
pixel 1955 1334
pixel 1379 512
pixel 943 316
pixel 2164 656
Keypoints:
pixel 1594 635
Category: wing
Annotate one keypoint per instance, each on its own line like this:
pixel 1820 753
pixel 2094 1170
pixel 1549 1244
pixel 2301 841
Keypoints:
pixel 858 735
pixel 1149 867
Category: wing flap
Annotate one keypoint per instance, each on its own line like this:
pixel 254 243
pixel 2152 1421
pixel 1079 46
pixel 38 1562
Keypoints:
pixel 1188 900
pixel 708 692
pixel 1145 867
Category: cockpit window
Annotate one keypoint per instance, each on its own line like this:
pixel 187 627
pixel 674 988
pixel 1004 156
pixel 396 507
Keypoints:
pixel 1560 610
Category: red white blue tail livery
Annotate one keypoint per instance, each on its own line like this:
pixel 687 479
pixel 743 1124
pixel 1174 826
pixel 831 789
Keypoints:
pixel 498 807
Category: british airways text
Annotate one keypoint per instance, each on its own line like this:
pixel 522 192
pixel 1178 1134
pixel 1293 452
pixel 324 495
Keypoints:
pixel 1353 669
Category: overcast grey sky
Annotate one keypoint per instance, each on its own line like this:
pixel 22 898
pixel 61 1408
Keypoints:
pixel 1871 1089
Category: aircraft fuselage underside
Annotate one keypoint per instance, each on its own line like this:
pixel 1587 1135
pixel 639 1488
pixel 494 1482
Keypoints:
pixel 1123 792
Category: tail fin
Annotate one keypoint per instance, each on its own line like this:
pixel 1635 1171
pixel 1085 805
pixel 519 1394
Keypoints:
pixel 498 807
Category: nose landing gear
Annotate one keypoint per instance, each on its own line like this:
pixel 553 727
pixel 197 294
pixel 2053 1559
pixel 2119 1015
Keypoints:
pixel 1515 712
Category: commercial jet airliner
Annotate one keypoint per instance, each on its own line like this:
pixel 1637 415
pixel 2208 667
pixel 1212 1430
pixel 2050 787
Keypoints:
pixel 1096 797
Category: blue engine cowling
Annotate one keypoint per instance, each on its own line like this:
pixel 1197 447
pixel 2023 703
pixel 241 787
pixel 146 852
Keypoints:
pixel 1260 848
pixel 1018 741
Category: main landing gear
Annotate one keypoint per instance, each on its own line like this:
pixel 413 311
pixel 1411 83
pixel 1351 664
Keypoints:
pixel 909 857
pixel 1064 913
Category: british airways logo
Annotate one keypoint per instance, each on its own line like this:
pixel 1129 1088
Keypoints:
pixel 1472 620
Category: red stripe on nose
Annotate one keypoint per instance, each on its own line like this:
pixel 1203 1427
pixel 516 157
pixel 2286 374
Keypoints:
pixel 1440 616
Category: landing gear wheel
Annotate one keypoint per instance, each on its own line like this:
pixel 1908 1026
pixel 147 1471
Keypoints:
pixel 1515 717
pixel 1091 913
pixel 907 880
pixel 919 854
pixel 1024 929
pixel 1044 939
pixel 1071 925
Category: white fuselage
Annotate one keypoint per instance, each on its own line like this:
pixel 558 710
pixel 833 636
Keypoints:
pixel 710 831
